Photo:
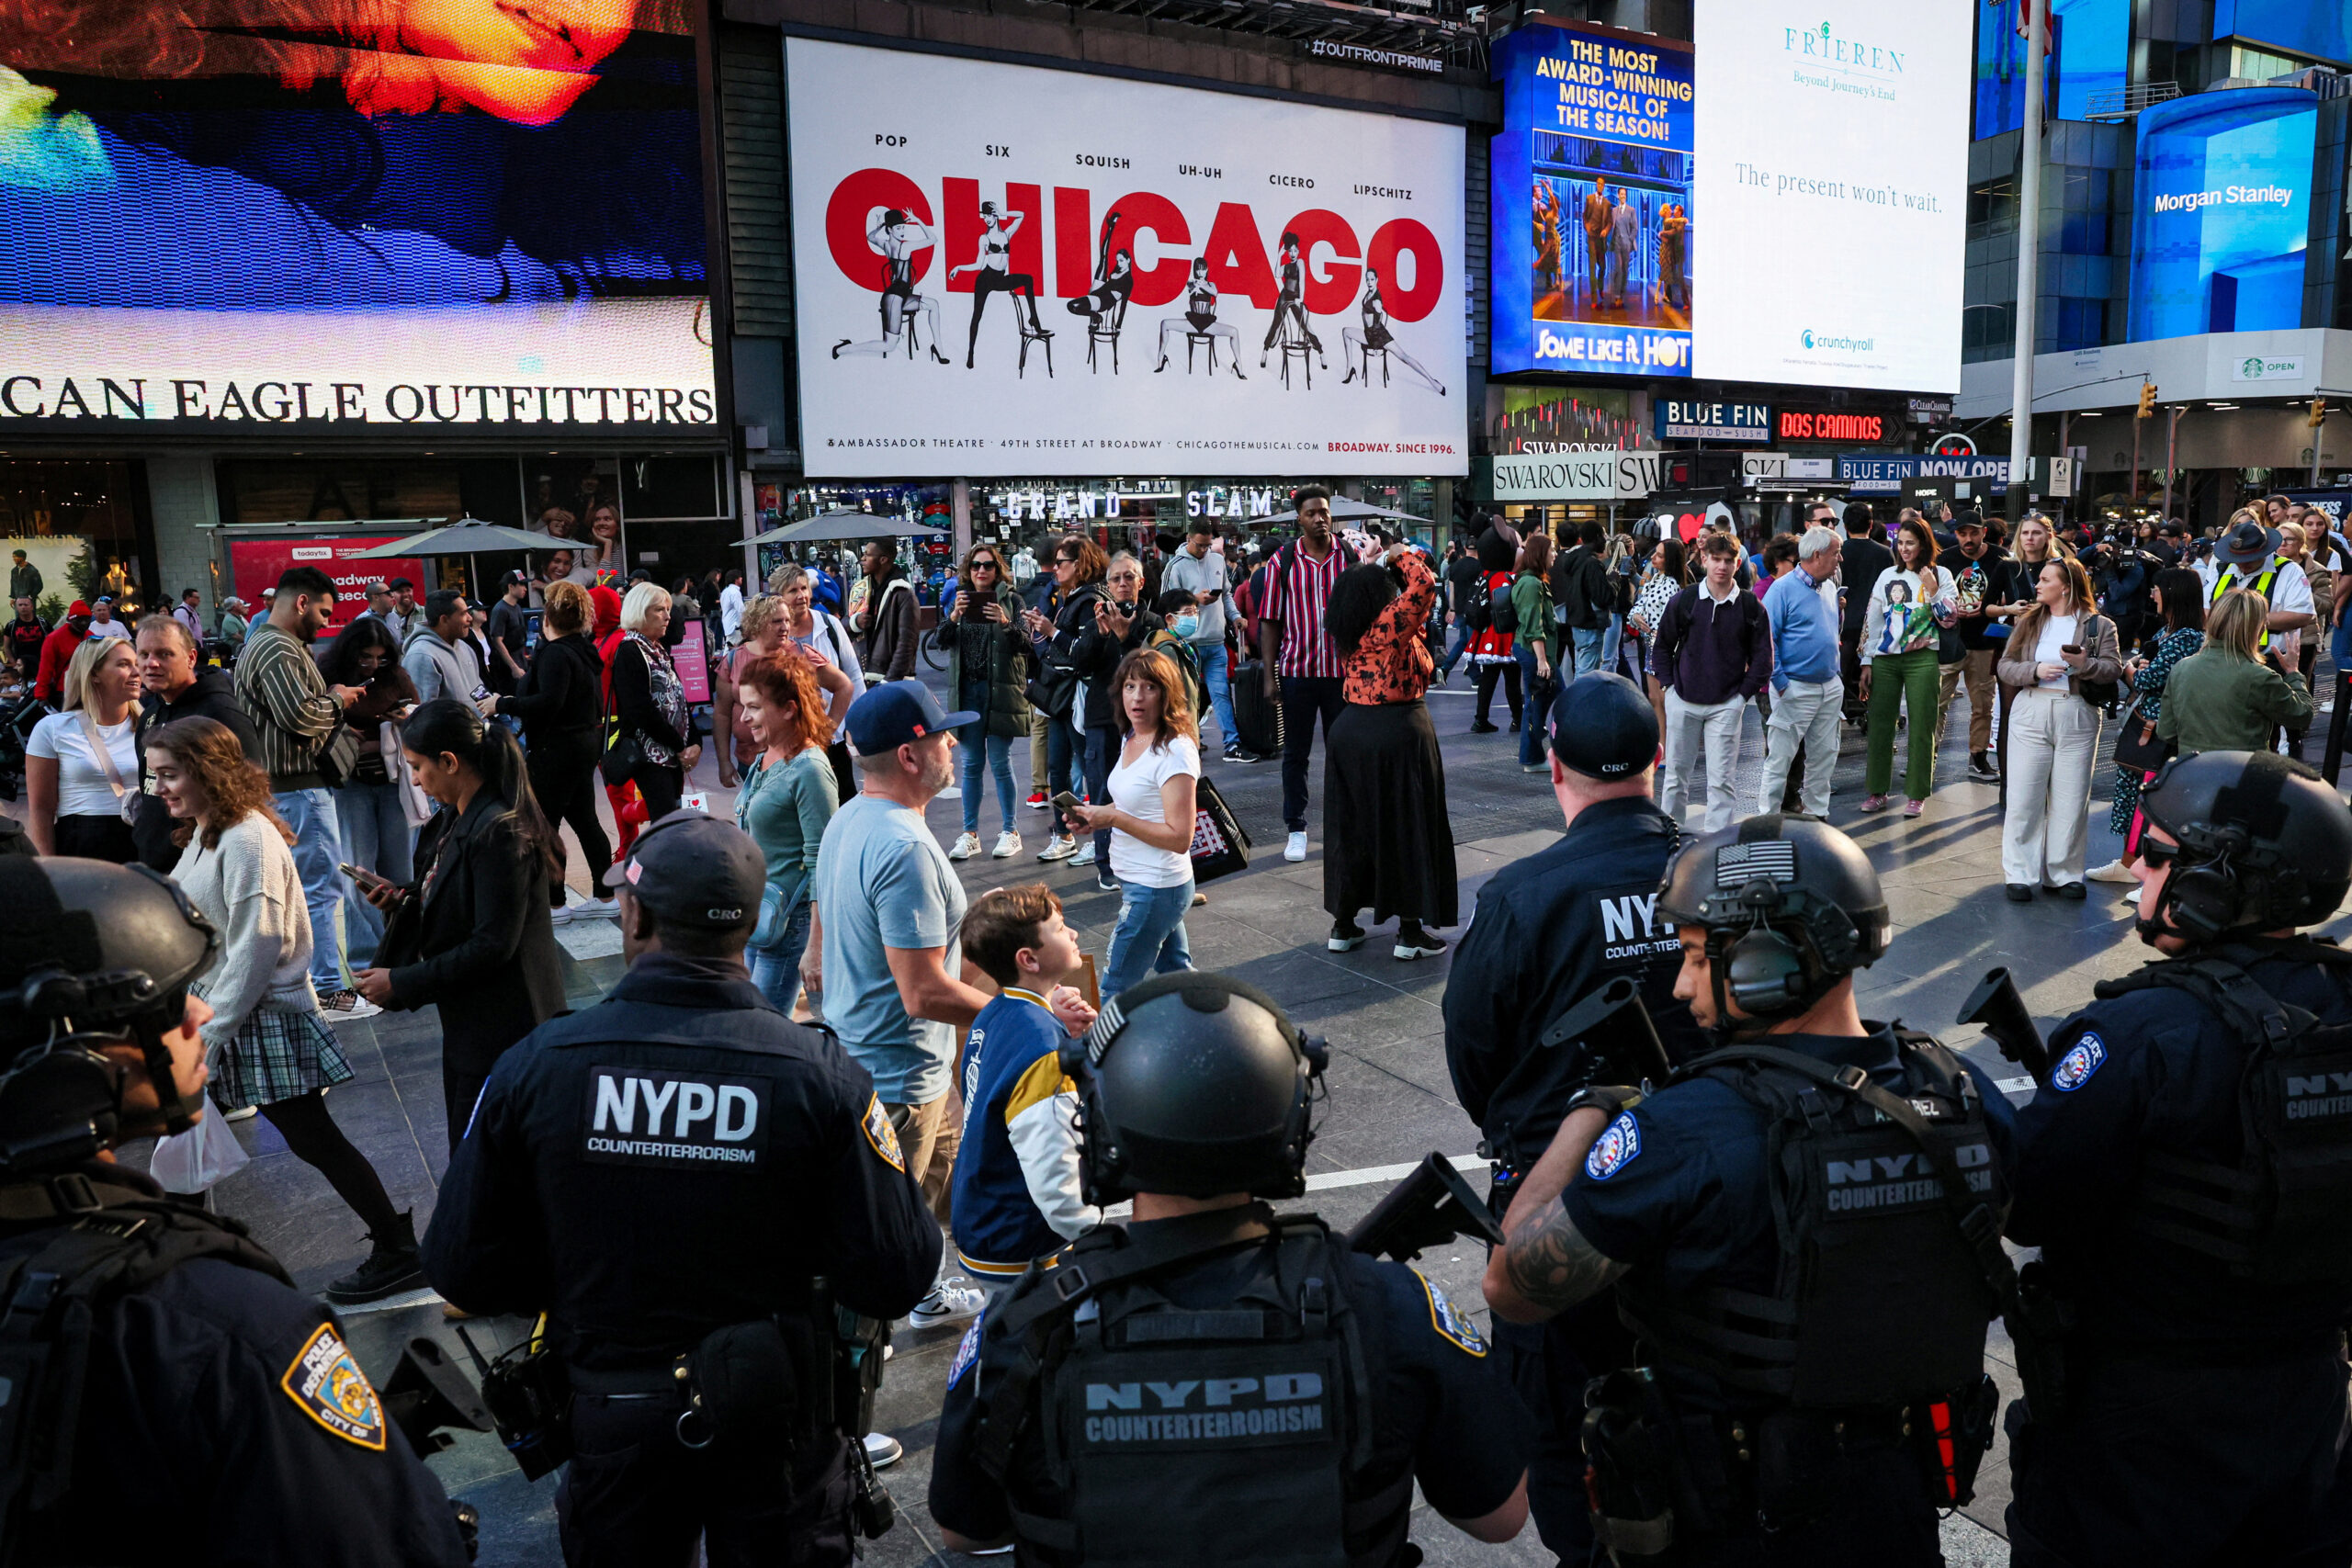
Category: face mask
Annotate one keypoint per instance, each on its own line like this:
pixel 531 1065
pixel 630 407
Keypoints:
pixel 1185 627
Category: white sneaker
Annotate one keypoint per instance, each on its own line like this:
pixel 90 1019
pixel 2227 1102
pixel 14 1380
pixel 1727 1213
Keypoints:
pixel 2113 870
pixel 597 909
pixel 2132 897
pixel 883 1450
pixel 346 1007
pixel 966 846
pixel 1085 853
pixel 243 1113
pixel 1008 844
pixel 1059 846
pixel 946 1304
pixel 561 915
pixel 1295 849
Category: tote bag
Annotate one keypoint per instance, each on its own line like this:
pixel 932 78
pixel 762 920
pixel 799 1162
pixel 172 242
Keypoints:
pixel 1219 846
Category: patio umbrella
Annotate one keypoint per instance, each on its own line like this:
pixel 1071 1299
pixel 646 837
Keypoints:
pixel 843 523
pixel 469 536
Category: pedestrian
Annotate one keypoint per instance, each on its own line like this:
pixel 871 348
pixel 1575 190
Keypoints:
pixel 507 634
pixel 1195 1102
pixel 439 655
pixel 762 633
pixel 1583 595
pixel 1549 932
pixel 189 613
pixel 989 660
pixel 1147 811
pixel 820 630
pixel 1038 594
pixel 25 634
pixel 1056 628
pixel 269 1045
pixel 560 703
pixel 103 623
pixel 784 802
pixel 1620 568
pixel 57 652
pixel 1493 652
pixel 653 744
pixel 675 1258
pixel 174 685
pixel 1861 558
pixel 2297 645
pixel 161 1361
pixel 1909 604
pixel 1462 573
pixel 378 805
pixel 1664 578
pixel 1535 644
pixel 470 936
pixel 885 620
pixel 1302 662
pixel 1714 655
pixel 1017 1193
pixel 1808 698
pixel 1120 624
pixel 730 608
pixel 1198 569
pixel 1980 577
pixel 2058 649
pixel 2184 1182
pixel 232 628
pixel 82 777
pixel 2179 602
pixel 2232 694
pixel 1686 1202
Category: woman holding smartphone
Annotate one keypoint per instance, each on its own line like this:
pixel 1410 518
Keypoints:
pixel 989 666
pixel 375 831
pixel 1148 817
pixel 2058 644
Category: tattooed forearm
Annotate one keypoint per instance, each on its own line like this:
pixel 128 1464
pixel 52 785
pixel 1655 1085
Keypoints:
pixel 1549 1268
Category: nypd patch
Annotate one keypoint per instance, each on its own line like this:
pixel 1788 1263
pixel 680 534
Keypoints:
pixel 967 1350
pixel 1611 1152
pixel 326 1383
pixel 882 1135
pixel 1455 1325
pixel 2075 1068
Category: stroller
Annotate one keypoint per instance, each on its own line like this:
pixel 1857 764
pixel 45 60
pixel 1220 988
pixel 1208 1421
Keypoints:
pixel 18 717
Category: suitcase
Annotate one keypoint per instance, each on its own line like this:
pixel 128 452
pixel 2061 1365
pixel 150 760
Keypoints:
pixel 1259 719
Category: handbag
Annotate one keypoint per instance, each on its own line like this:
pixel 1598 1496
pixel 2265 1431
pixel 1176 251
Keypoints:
pixel 1219 846
pixel 621 759
pixel 338 757
pixel 2099 693
pixel 2136 745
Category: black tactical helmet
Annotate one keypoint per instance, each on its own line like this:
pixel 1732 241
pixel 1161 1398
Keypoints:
pixel 1193 1085
pixel 1790 906
pixel 90 954
pixel 2265 843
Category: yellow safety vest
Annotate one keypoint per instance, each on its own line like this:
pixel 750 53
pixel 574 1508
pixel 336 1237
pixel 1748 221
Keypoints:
pixel 2226 579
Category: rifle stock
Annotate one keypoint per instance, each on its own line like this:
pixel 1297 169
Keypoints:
pixel 1431 1206
pixel 1996 1004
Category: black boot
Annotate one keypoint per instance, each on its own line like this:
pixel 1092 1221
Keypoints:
pixel 392 1266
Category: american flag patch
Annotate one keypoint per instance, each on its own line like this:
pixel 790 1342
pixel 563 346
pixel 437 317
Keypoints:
pixel 1736 865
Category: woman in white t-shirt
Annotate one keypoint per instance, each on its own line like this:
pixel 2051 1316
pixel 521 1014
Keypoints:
pixel 82 765
pixel 1150 820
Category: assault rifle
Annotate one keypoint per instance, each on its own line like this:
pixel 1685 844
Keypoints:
pixel 1427 1209
pixel 1996 1004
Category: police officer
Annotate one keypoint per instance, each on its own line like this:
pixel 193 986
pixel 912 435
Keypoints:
pixel 1549 932
pixel 2187 1171
pixel 167 1393
pixel 1214 1382
pixel 1802 1229
pixel 664 1175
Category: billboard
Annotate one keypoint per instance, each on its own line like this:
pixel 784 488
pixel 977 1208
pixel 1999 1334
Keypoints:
pixel 256 564
pixel 227 214
pixel 1560 419
pixel 2089 54
pixel 1193 281
pixel 1833 163
pixel 1590 186
pixel 2321 29
pixel 2222 204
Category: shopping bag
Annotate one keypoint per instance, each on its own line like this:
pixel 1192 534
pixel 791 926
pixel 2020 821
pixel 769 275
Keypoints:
pixel 188 1162
pixel 1219 846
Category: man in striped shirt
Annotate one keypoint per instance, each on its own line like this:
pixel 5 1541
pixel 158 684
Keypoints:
pixel 1299 648
pixel 294 711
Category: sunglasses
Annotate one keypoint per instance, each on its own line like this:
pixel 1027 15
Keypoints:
pixel 984 566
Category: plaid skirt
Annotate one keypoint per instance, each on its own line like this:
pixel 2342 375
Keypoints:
pixel 277 1056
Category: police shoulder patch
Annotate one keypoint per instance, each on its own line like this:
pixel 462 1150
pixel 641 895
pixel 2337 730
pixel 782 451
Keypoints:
pixel 2075 1068
pixel 882 1135
pixel 326 1384
pixel 967 1350
pixel 1453 1324
pixel 1615 1148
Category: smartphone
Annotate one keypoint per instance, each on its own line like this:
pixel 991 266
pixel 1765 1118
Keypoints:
pixel 2070 648
pixel 1066 801
pixel 366 879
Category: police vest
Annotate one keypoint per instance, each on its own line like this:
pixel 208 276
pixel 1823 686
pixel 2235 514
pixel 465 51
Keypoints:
pixel 110 1241
pixel 2227 579
pixel 2282 1214
pixel 1889 1205
pixel 1236 1435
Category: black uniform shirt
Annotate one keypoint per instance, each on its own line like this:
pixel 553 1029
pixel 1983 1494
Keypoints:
pixel 2154 1070
pixel 1438 1406
pixel 1548 931
pixel 225 1421
pixel 676 1159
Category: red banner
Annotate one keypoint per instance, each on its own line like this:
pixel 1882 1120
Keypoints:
pixel 256 565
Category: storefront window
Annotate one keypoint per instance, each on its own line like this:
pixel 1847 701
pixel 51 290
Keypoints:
pixel 78 525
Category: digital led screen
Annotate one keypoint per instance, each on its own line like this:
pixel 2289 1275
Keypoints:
pixel 2320 28
pixel 2090 53
pixel 2222 212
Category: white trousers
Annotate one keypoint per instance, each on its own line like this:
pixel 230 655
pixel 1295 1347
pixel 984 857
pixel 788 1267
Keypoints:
pixel 1693 730
pixel 2053 738
pixel 1806 716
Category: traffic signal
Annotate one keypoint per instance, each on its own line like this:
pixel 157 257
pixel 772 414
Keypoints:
pixel 2147 400
pixel 2318 416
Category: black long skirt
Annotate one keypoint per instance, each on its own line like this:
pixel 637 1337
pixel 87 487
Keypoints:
pixel 1387 843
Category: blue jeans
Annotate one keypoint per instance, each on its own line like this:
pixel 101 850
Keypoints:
pixel 1218 679
pixel 318 851
pixel 1062 745
pixel 776 970
pixel 996 751
pixel 1150 939
pixel 1462 638
pixel 1539 716
pixel 376 837
pixel 1610 640
pixel 1101 752
pixel 1589 643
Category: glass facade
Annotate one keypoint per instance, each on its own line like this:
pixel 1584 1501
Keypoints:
pixel 2084 232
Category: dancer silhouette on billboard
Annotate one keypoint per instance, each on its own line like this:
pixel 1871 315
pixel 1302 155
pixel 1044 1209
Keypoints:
pixel 994 266
pixel 896 237
pixel 1357 345
pixel 1200 316
pixel 1290 324
pixel 1115 275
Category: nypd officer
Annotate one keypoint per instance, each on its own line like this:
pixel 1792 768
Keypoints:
pixel 663 1174
pixel 1550 931
pixel 2187 1173
pixel 1803 1228
pixel 168 1393
pixel 1214 1382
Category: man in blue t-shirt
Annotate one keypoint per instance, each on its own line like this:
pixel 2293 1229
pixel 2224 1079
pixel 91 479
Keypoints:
pixel 1017 1195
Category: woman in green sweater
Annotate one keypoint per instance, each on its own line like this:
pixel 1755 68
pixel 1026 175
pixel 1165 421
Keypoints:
pixel 1535 646
pixel 787 798
pixel 2222 698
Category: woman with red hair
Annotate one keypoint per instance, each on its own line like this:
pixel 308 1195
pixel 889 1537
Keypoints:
pixel 629 806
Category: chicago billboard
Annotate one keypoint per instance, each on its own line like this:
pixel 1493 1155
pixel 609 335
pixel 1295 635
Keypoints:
pixel 232 213
pixel 2222 206
pixel 1192 280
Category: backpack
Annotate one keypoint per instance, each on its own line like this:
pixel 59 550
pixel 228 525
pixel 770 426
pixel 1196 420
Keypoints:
pixel 1478 604
pixel 1502 613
